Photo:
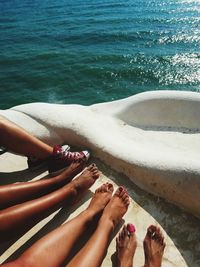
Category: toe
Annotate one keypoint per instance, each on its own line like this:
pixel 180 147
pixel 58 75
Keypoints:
pixel 162 239
pixel 127 201
pixel 119 191
pixel 131 228
pixel 151 231
pixel 126 233
pixel 92 166
pixel 103 188
pixel 164 245
pixel 110 187
pixel 157 235
pixel 123 232
pixel 98 190
pixel 120 236
pixel 124 195
pixel 94 169
pixel 96 172
pixel 157 231
pixel 117 243
pixel 151 228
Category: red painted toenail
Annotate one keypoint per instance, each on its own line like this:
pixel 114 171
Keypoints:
pixel 131 228
pixel 121 188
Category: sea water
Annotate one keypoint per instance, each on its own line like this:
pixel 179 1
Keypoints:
pixel 90 51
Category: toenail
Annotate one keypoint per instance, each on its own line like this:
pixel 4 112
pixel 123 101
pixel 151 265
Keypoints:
pixel 121 188
pixel 131 228
pixel 93 164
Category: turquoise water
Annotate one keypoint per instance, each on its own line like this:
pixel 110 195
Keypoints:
pixel 93 51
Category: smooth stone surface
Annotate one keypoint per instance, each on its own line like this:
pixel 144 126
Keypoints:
pixel 153 138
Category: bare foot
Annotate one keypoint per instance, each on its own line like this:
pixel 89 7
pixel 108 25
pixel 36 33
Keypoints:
pixel 125 246
pixel 153 247
pixel 117 206
pixel 68 174
pixel 101 198
pixel 86 179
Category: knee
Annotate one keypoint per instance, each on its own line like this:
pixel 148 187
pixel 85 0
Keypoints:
pixel 3 123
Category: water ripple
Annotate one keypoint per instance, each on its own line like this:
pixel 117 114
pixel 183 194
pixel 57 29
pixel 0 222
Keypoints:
pixel 96 50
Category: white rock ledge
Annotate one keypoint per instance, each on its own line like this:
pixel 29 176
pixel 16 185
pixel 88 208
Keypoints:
pixel 152 137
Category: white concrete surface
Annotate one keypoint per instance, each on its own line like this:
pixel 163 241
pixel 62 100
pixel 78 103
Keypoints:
pixel 153 138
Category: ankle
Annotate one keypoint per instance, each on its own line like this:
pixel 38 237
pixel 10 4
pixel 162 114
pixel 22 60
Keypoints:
pixel 62 177
pixel 121 263
pixel 71 190
pixel 149 264
pixel 76 185
pixel 107 220
pixel 89 214
pixel 45 153
pixel 59 180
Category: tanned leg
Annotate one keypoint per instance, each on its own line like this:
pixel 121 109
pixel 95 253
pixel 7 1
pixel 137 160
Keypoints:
pixel 21 142
pixel 13 194
pixel 125 246
pixel 154 246
pixel 30 212
pixel 54 248
pixel 93 253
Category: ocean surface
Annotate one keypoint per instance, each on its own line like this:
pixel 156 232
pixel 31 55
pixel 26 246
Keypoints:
pixel 89 51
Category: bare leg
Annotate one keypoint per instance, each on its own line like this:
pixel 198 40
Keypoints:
pixel 95 249
pixel 54 248
pixel 19 141
pixel 154 246
pixel 28 213
pixel 13 194
pixel 125 246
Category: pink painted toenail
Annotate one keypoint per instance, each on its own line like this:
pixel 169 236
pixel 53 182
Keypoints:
pixel 131 228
